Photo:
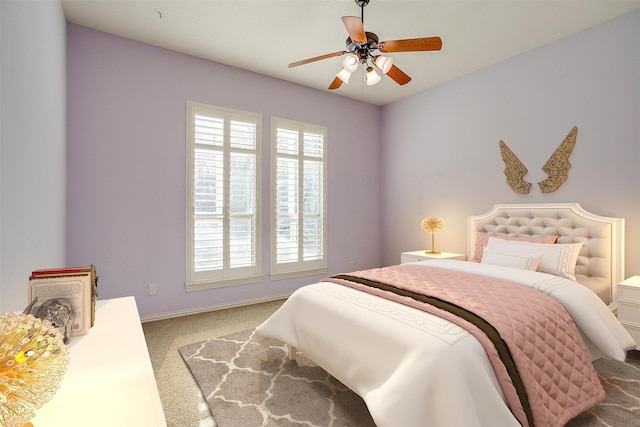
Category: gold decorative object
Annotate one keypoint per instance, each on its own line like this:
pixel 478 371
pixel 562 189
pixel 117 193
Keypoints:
pixel 556 168
pixel 432 224
pixel 33 360
pixel 514 170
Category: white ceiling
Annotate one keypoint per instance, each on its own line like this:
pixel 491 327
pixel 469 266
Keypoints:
pixel 264 36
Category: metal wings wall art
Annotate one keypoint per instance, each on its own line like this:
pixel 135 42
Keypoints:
pixel 556 168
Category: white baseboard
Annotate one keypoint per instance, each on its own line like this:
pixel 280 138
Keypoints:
pixel 172 314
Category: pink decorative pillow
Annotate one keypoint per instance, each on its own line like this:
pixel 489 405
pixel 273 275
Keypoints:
pixel 483 238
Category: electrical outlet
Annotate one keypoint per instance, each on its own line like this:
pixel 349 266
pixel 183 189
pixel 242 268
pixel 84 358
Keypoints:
pixel 352 265
pixel 152 289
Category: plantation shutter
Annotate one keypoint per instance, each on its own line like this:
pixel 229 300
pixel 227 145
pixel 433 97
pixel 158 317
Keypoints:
pixel 298 199
pixel 223 236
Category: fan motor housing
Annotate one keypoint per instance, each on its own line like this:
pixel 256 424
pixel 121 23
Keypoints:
pixel 363 49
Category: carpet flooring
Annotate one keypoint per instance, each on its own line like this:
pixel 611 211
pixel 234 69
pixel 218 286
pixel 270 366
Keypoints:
pixel 182 400
pixel 251 385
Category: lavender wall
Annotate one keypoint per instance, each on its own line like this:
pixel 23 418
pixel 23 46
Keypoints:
pixel 440 147
pixel 438 153
pixel 126 167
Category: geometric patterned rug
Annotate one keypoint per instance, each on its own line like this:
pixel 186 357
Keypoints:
pixel 247 384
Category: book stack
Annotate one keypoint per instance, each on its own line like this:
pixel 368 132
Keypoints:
pixel 58 288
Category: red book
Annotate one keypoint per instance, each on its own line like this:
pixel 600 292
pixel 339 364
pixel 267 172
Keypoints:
pixel 62 271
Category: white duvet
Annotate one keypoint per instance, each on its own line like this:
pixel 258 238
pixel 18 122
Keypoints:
pixel 414 369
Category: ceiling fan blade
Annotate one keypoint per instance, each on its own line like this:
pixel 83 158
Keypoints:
pixel 317 58
pixel 398 75
pixel 411 45
pixel 335 84
pixel 355 28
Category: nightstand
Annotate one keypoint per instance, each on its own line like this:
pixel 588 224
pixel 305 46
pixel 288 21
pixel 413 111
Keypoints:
pixel 414 256
pixel 629 307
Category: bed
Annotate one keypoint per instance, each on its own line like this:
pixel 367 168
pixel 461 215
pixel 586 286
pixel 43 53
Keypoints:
pixel 414 368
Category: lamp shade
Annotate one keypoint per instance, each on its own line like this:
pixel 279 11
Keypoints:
pixel 344 75
pixel 383 62
pixel 432 224
pixel 33 360
pixel 350 62
pixel 372 77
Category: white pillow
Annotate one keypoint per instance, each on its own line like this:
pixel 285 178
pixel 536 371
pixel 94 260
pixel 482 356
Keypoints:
pixel 523 262
pixel 558 259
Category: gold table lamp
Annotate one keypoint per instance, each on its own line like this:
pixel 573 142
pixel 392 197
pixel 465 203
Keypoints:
pixel 432 224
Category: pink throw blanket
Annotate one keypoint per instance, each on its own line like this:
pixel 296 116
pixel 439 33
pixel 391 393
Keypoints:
pixel 551 361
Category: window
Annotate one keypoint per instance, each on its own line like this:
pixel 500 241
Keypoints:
pixel 223 207
pixel 298 199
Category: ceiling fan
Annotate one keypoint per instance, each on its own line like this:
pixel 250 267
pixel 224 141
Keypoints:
pixel 361 48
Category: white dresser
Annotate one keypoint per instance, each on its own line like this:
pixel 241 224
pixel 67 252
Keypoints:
pixel 109 381
pixel 629 307
pixel 414 256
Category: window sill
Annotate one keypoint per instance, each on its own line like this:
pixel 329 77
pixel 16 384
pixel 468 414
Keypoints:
pixel 294 274
pixel 201 286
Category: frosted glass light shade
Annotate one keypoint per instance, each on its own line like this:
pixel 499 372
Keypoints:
pixel 372 77
pixel 384 63
pixel 350 62
pixel 344 75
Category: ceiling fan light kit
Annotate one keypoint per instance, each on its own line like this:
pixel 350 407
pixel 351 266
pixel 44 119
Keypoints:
pixel 384 63
pixel 361 46
pixel 372 76
pixel 350 62
pixel 344 75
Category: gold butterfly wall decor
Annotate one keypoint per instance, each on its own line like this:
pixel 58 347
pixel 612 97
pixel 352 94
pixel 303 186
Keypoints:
pixel 556 168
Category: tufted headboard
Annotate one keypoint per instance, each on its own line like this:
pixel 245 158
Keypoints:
pixel 600 265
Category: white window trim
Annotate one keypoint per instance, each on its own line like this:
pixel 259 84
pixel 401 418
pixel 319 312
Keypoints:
pixel 196 281
pixel 300 268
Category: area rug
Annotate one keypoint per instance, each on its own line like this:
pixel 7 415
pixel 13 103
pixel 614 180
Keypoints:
pixel 247 384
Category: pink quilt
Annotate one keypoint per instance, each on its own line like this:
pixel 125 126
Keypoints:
pixel 539 357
